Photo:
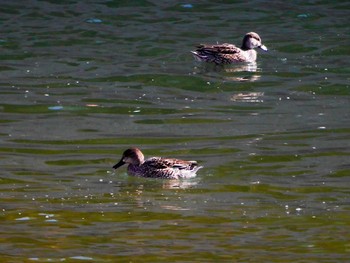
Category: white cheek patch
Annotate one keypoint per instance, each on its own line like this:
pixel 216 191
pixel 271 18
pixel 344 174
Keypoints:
pixel 254 43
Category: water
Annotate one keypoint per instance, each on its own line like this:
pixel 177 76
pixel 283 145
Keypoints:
pixel 83 81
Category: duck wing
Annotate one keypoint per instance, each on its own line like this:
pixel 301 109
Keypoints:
pixel 166 163
pixel 217 49
pixel 219 54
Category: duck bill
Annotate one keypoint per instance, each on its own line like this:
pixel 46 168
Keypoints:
pixel 121 162
pixel 263 47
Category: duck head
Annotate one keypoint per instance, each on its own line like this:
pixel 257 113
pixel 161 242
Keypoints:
pixel 131 156
pixel 252 40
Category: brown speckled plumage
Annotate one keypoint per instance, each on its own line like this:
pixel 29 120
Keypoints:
pixel 157 167
pixel 229 53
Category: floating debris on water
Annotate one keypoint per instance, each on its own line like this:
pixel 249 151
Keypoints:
pixel 303 15
pixel 51 220
pixel 81 258
pixel 248 97
pixel 93 20
pixel 55 107
pixel 187 5
pixel 26 218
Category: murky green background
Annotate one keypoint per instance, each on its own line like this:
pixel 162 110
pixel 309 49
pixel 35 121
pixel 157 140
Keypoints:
pixel 80 81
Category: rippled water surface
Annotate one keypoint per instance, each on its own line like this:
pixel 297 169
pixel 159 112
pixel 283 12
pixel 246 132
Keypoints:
pixel 81 81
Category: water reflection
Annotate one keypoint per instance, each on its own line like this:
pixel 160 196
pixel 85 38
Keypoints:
pixel 237 72
pixel 242 67
pixel 254 97
pixel 180 184
pixel 273 136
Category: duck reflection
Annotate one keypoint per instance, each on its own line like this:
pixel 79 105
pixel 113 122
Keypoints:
pixel 248 97
pixel 247 67
pixel 179 184
pixel 233 72
pixel 144 193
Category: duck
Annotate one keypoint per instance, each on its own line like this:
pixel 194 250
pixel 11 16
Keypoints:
pixel 221 54
pixel 157 167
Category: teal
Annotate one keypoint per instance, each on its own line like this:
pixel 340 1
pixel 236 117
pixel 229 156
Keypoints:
pixel 157 167
pixel 228 53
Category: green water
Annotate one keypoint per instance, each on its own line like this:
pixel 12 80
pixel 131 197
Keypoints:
pixel 83 81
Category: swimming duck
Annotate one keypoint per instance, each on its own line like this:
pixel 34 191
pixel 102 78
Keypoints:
pixel 157 167
pixel 229 53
